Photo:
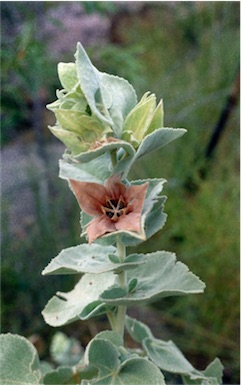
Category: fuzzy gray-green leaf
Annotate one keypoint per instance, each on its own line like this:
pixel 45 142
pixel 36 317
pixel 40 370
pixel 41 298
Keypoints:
pixel 159 138
pixel 89 258
pixel 19 361
pixel 160 277
pixel 82 302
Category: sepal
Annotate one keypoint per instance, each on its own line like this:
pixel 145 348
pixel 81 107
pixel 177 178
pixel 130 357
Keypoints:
pixel 140 117
pixel 67 75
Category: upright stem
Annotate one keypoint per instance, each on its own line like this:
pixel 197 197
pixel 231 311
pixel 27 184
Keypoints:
pixel 121 309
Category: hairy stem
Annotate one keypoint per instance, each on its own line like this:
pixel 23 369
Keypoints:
pixel 121 309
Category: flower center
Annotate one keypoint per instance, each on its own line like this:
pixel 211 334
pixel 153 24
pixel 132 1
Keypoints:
pixel 114 208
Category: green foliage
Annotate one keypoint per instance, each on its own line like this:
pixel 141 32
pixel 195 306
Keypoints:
pixel 168 357
pixel 19 361
pixel 65 351
pixel 193 76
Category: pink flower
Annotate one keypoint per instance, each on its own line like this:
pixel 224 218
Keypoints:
pixel 114 206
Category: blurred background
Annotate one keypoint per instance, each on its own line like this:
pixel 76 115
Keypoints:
pixel 188 54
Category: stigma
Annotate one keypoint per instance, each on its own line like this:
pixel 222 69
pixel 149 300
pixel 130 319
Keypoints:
pixel 114 208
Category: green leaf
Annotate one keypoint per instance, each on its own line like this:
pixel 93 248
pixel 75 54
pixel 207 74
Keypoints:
pixel 215 369
pixel 125 155
pixel 157 139
pixel 134 371
pixel 167 356
pixel 80 303
pixel 19 361
pixel 65 350
pixel 113 337
pixel 71 139
pixel 160 277
pixel 89 129
pixel 153 222
pixel 67 75
pixel 96 171
pixel 132 285
pixel 61 376
pixel 137 330
pixel 156 219
pixel 72 100
pixel 158 119
pixel 77 130
pixel 140 117
pixel 155 187
pixel 212 375
pixel 90 84
pixel 91 258
pixel 123 98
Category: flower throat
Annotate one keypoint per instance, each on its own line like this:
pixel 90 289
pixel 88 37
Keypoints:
pixel 114 208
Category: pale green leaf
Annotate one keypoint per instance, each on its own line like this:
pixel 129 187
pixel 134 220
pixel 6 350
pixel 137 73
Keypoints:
pixel 137 330
pixel 140 117
pixel 19 361
pixel 91 258
pixel 80 303
pixel 72 100
pixel 167 356
pixel 215 369
pixel 125 155
pixel 67 75
pixel 61 376
pixel 157 139
pixel 90 84
pixel 133 371
pixel 65 350
pixel 123 98
pixel 97 170
pixel 153 221
pixel 113 337
pixel 132 285
pixel 161 276
pixel 89 129
pixel 158 119
pixel 155 187
pixel 71 139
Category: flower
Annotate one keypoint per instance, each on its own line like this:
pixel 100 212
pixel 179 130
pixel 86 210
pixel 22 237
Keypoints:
pixel 114 206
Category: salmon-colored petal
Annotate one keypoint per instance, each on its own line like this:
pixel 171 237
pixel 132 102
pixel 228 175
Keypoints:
pixel 114 187
pixel 135 196
pixel 99 226
pixel 130 222
pixel 90 196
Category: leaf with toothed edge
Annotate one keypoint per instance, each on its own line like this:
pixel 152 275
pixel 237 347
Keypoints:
pixel 83 302
pixel 159 138
pixel 90 258
pixel 161 276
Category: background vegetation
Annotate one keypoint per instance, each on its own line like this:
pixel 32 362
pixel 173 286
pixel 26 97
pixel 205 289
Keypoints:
pixel 188 54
